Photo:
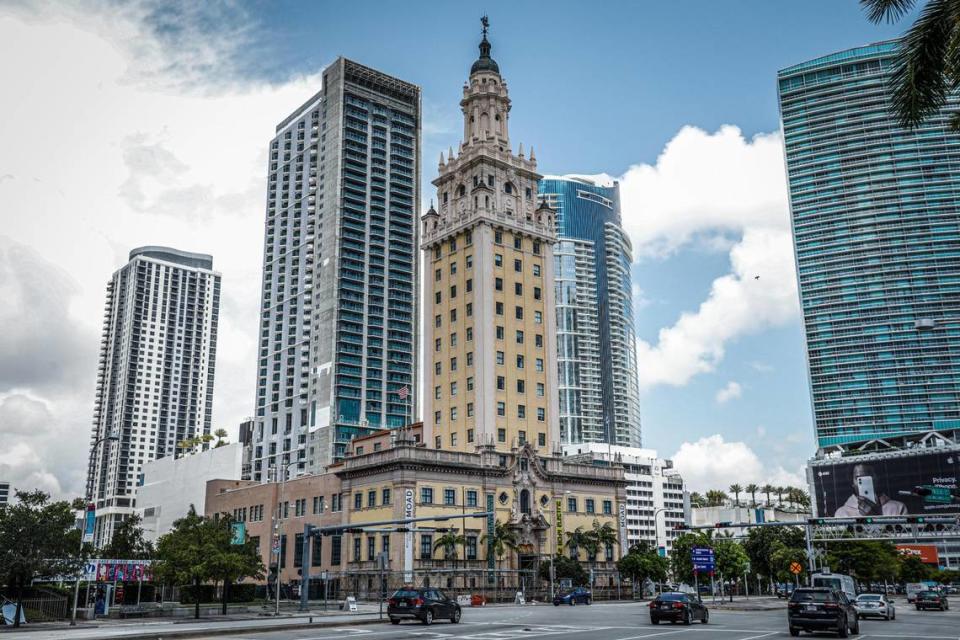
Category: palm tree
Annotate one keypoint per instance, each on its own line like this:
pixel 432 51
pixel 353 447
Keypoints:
pixel 925 71
pixel 779 491
pixel 503 538
pixel 697 500
pixel 735 489
pixel 716 498
pixel 221 434
pixel 448 542
pixel 752 490
pixel 768 489
pixel 789 492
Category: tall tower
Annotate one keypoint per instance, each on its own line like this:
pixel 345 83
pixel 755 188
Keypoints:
pixel 876 228
pixel 490 327
pixel 597 358
pixel 155 381
pixel 338 329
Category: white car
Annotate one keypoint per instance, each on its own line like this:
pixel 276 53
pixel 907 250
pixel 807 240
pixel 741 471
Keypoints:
pixel 876 605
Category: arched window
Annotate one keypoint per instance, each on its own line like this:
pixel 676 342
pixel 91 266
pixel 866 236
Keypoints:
pixel 507 187
pixel 525 501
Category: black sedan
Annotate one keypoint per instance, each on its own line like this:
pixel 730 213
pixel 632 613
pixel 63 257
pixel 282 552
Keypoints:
pixel 932 600
pixel 678 607
pixel 424 604
pixel 573 597
pixel 821 609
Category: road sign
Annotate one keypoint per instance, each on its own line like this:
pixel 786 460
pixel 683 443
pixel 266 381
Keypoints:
pixel 702 559
pixel 239 533
pixel 796 568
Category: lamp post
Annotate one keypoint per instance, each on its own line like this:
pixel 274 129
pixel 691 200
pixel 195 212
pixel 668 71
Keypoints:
pixel 76 585
pixel 656 539
pixel 276 526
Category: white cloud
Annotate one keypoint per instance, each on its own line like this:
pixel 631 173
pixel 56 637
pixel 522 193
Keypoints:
pixel 130 126
pixel 716 192
pixel 713 463
pixel 732 391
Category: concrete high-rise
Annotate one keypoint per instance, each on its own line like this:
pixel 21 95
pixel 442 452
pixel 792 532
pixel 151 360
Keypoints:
pixel 155 375
pixel 490 325
pixel 338 330
pixel 597 358
pixel 876 230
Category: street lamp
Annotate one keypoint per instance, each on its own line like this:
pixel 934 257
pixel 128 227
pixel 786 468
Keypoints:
pixel 76 585
pixel 276 526
pixel 656 538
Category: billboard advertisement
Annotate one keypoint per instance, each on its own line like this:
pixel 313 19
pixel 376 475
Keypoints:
pixel 926 552
pixel 879 485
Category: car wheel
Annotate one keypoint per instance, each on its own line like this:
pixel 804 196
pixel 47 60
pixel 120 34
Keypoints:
pixel 794 632
pixel 856 628
pixel 654 620
pixel 588 601
pixel 844 630
pixel 455 618
pixel 394 620
pixel 918 607
pixel 556 604
pixel 573 601
pixel 428 618
pixel 706 616
pixel 686 617
pixel 893 616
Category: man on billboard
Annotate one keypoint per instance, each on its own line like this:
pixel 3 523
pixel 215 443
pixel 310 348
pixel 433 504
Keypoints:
pixel 866 500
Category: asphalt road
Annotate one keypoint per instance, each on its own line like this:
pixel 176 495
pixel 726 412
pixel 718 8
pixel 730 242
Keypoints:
pixel 620 622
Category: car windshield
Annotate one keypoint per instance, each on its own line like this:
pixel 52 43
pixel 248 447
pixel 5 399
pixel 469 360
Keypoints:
pixel 812 596
pixel 673 597
pixel 869 596
pixel 406 593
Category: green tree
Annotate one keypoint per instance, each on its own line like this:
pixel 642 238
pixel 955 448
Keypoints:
pixel 643 563
pixel 221 434
pixel 926 68
pixel 779 491
pixel 680 556
pixel 716 498
pixel 752 490
pixel 731 559
pixel 761 542
pixel 697 500
pixel 503 539
pixel 566 567
pixel 866 560
pixel 128 542
pixel 230 562
pixel 736 490
pixel 38 538
pixel 912 569
pixel 767 490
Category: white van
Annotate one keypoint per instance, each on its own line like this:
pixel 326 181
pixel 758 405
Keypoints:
pixel 837 581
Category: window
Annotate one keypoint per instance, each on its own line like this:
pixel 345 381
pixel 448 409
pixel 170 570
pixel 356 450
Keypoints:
pixel 385 496
pixel 541 414
pixel 541 439
pixel 501 434
pixel 453 388
pixel 471 498
pixel 519 361
pixel 318 504
pixel 472 547
pixel 609 551
pixel 470 383
pixel 357 501
pixel 538 317
pixel 453 339
pixel 453 439
pixel 499 333
pixel 498 237
pixel 521 386
pixel 536 247
pixel 490 180
pixel 469 309
pixel 437 252
pixel 538 341
pixel 498 260
pixel 470 334
pixel 539 364
pixel 519 336
pixel 336 545
pixel 500 357
pixel 517 288
pixel 518 312
pixel 372 498
pixel 453 364
pixel 426 546
pixel 426 495
pixel 356 548
pixel 521 411
pixel 590 506
pixel 499 308
pixel 453 244
pixel 469 284
pixel 453 315
pixel 469 260
pixel 449 497
pixel 453 413
pixel 453 291
pixel 453 268
pixel 498 284
pixel 371 547
pixel 536 270
pixel 607 507
pixel 468 238
pixel 437 320
pixel 518 265
pixel 571 505
pixel 470 358
pixel 470 431
pixel 437 344
pixel 436 419
pixel 517 242
pixel 437 442
pixel 437 275
pixel 436 392
pixel 501 383
pixel 436 297
pixel 537 293
pixel 336 502
pixel 522 438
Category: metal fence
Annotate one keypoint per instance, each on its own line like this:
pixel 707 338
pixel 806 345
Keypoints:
pixel 42 605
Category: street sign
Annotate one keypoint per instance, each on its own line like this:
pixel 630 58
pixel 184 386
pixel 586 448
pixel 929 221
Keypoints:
pixel 796 568
pixel 702 559
pixel 239 533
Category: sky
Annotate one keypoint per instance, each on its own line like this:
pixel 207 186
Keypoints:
pixel 132 123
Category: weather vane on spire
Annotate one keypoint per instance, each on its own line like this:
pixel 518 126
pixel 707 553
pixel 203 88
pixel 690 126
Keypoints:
pixel 485 21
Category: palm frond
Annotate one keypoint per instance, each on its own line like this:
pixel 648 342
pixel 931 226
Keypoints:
pixel 886 10
pixel 919 74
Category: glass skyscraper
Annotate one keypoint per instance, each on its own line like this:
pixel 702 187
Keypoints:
pixel 338 325
pixel 597 358
pixel 877 236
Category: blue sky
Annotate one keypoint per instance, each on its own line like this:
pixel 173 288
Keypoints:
pixel 172 107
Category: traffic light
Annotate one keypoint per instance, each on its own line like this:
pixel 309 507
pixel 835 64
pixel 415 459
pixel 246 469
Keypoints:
pixel 722 525
pixel 442 529
pixel 679 527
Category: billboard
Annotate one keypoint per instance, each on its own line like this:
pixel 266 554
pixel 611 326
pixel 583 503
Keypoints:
pixel 926 552
pixel 882 485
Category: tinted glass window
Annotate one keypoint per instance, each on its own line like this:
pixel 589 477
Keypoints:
pixel 405 593
pixel 869 597
pixel 673 597
pixel 812 596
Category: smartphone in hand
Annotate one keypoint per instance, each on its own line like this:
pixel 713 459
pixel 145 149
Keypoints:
pixel 865 489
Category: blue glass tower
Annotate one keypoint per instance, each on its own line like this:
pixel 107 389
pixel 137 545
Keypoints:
pixel 599 393
pixel 877 238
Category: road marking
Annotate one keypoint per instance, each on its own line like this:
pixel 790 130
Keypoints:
pixel 662 633
pixel 764 635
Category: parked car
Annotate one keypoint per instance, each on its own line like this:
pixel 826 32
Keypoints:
pixel 875 604
pixel 932 600
pixel 573 597
pixel 678 607
pixel 425 604
pixel 784 592
pixel 821 609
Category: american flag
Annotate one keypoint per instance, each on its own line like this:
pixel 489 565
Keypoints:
pixel 402 392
